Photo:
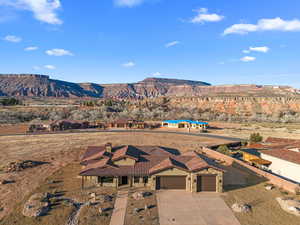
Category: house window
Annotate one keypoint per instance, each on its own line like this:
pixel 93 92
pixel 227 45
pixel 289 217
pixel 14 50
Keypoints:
pixel 107 179
pixel 145 180
pixel 136 179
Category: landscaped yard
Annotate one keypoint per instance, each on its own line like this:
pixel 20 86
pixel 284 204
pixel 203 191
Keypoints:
pixel 265 208
pixel 143 216
pixel 65 185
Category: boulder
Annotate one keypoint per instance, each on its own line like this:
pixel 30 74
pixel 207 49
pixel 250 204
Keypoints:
pixel 6 181
pixel 20 165
pixel 137 195
pixel 135 210
pixel 269 187
pixel 93 195
pixel 104 198
pixel 241 208
pixel 141 195
pixel 289 205
pixel 37 205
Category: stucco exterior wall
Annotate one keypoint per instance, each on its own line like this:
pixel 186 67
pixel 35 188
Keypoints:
pixel 125 162
pixel 283 168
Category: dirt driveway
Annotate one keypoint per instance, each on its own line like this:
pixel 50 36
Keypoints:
pixel 185 208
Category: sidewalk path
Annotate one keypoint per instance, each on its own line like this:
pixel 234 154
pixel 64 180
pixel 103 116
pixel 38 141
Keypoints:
pixel 118 215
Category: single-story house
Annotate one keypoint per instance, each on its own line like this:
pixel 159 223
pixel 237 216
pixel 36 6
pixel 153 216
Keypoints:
pixel 284 155
pixel 60 125
pixel 150 166
pixel 285 162
pixel 127 123
pixel 185 124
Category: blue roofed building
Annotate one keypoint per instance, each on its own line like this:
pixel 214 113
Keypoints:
pixel 189 124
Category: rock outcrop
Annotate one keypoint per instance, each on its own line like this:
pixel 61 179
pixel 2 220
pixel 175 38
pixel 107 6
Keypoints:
pixel 32 85
pixel 289 205
pixel 37 205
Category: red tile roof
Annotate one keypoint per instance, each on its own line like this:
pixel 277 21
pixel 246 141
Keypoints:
pixel 167 164
pixel 280 148
pixel 284 154
pixel 125 152
pixel 149 160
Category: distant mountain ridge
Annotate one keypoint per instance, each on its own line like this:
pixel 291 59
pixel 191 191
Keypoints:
pixel 35 85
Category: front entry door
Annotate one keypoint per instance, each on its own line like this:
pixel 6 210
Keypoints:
pixel 123 180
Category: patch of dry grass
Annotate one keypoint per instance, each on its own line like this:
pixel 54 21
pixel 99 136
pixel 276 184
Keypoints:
pixel 149 216
pixel 66 184
pixel 61 149
pixel 265 209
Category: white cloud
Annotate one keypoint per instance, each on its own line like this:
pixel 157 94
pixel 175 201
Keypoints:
pixel 248 59
pixel 173 43
pixel 58 52
pixel 156 74
pixel 263 49
pixel 128 3
pixel 203 16
pixel 276 24
pixel 31 48
pixel 43 10
pixel 12 38
pixel 128 64
pixel 50 67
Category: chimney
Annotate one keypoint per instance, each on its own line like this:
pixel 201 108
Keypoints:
pixel 108 147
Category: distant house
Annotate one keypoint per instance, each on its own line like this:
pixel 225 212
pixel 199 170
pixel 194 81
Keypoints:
pixel 38 127
pixel 284 155
pixel 185 124
pixel 61 125
pixel 150 166
pixel 127 123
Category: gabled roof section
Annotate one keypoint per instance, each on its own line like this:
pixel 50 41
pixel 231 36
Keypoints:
pixel 126 152
pixel 284 154
pixel 103 163
pixel 167 164
pixel 199 162
pixel 91 150
pixel 97 155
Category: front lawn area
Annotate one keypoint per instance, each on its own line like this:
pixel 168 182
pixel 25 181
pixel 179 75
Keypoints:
pixel 64 185
pixel 143 216
pixel 265 209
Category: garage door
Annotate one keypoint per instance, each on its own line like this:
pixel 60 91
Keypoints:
pixel 206 183
pixel 171 182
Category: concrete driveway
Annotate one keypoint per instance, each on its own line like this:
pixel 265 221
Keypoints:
pixel 184 208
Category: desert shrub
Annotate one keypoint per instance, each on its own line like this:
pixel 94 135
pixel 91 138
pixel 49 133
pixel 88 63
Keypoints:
pixel 255 137
pixel 224 150
pixel 10 101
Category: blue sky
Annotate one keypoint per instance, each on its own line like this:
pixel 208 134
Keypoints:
pixel 112 41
